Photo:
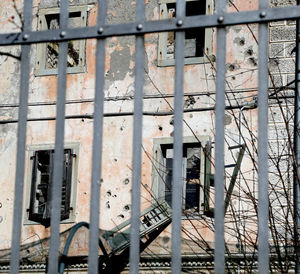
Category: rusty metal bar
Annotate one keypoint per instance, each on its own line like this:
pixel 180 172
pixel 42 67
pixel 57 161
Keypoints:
pixel 219 252
pixel 236 18
pixel 21 143
pixel 177 179
pixel 97 143
pixel 263 199
pixel 59 144
pixel 134 252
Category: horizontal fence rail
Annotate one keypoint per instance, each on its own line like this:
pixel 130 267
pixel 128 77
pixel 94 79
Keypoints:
pixel 226 19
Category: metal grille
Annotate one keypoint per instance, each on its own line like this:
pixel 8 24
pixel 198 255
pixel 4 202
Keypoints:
pixel 139 28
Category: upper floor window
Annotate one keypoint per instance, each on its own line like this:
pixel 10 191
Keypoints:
pixel 47 53
pixel 198 41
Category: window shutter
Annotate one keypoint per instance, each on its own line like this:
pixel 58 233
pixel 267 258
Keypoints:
pixel 41 186
pixel 208 181
pixel 192 183
pixel 47 212
pixel 168 181
pixel 40 198
pixel 66 184
pixel 33 186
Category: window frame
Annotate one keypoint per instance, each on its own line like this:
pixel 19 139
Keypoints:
pixel 40 67
pixel 158 185
pixel 31 150
pixel 163 38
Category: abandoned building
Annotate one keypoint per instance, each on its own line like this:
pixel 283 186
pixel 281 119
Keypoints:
pixel 198 141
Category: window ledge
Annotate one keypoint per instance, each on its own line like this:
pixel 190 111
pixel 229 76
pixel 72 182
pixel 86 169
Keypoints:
pixel 187 61
pixel 70 70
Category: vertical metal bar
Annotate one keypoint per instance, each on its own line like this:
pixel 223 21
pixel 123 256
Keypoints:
pixel 219 139
pixel 297 151
pixel 177 159
pixel 21 142
pixel 97 143
pixel 134 253
pixel 263 199
pixel 59 144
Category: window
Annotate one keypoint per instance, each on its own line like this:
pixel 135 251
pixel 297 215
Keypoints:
pixel 47 53
pixel 195 191
pixel 198 42
pixel 39 185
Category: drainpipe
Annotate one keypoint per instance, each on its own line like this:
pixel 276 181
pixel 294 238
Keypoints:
pixel 297 150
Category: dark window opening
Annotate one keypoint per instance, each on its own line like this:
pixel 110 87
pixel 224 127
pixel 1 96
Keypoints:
pixel 191 180
pixel 192 187
pixel 41 186
pixel 194 38
pixel 52 49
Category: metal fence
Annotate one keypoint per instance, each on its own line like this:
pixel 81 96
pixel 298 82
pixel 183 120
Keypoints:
pixel 139 28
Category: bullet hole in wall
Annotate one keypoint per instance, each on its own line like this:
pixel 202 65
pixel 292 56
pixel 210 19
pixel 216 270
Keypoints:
pixel 231 67
pixel 1 219
pixel 126 181
pixel 108 193
pixel 115 196
pixel 116 160
pixel 160 127
pixel 190 101
pixel 252 61
pixel 127 207
pixel 107 204
pixel 165 239
pixel 171 121
pixel 249 52
pixel 0 204
pixel 242 42
pixel 121 216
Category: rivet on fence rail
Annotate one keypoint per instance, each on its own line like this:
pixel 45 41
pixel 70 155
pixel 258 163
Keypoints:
pixel 179 23
pixel 263 14
pixel 100 30
pixel 220 19
pixel 63 34
pixel 139 27
pixel 25 37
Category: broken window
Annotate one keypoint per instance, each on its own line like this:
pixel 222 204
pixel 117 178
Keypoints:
pixel 198 42
pixel 193 170
pixel 41 186
pixel 47 61
pixel 191 180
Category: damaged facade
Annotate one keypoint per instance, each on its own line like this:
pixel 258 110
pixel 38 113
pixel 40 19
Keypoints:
pixel 198 138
